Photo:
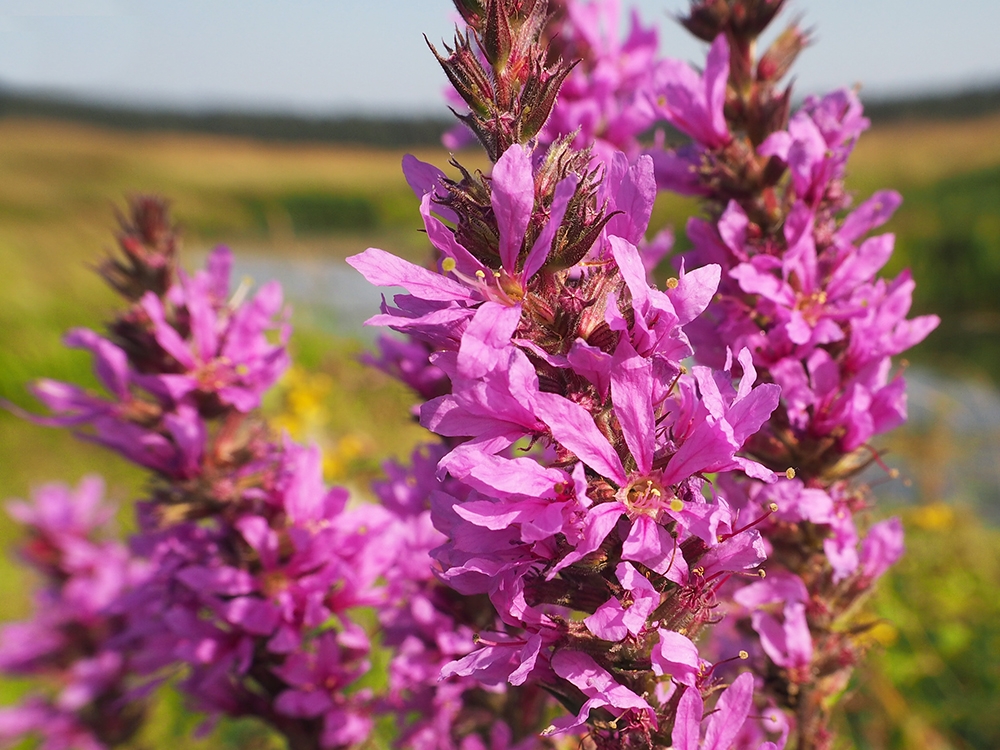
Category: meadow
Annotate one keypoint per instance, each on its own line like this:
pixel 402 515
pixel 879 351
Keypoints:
pixel 933 679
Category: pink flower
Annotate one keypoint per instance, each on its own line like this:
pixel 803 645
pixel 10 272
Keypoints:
pixel 693 103
pixel 724 723
pixel 601 691
pixel 626 614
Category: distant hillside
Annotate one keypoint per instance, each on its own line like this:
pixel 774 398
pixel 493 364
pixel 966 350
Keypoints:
pixel 394 132
pixel 959 105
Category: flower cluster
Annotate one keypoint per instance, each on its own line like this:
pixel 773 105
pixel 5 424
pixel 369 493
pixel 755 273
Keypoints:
pixel 72 640
pixel 799 291
pixel 250 566
pixel 571 490
pixel 580 552
pixel 606 100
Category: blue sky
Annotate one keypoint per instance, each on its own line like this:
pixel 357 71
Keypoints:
pixel 329 56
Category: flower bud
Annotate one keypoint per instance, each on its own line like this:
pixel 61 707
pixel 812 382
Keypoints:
pixel 777 61
pixel 707 19
pixel 148 241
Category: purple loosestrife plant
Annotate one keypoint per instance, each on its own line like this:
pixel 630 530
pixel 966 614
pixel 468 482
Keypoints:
pixel 580 552
pixel 251 567
pixel 570 491
pixel 70 642
pixel 799 291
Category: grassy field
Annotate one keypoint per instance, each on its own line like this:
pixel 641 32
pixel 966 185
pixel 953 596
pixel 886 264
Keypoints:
pixel 933 684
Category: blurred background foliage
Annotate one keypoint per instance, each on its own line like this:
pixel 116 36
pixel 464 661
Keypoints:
pixel 298 207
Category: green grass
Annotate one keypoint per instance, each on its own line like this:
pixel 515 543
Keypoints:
pixel 938 682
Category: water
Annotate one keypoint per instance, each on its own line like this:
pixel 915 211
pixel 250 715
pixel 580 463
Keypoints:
pixel 949 448
pixel 337 296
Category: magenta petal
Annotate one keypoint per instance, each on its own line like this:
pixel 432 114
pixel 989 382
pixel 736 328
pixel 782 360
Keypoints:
pixel 733 228
pixel 202 319
pixel 716 79
pixel 677 656
pixel 687 724
pixel 645 597
pixel 755 281
pixel 256 616
pixel 630 264
pixel 882 547
pixel 490 665
pixel 219 268
pixel 539 252
pixel 528 657
pixel 219 580
pixel 592 363
pixel 607 623
pixel 694 291
pixel 165 335
pixel 492 474
pixel 490 515
pixel 888 408
pixel 424 178
pixel 798 637
pixel 383 269
pixel 633 192
pixel 513 198
pixel 110 362
pixel 709 448
pixel 788 645
pixel 302 703
pixel 632 394
pixel 747 416
pixel 574 428
pixel 779 587
pixel 188 432
pixel 874 212
pixel 600 520
pixel 261 537
pixel 76 404
pixel 777 144
pixel 595 682
pixel 860 267
pixel 651 544
pixel 486 343
pixel 730 714
pixel 444 240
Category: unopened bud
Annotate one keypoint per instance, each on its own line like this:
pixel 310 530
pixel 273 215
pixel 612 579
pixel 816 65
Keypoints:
pixel 708 19
pixel 496 37
pixel 471 12
pixel 777 61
